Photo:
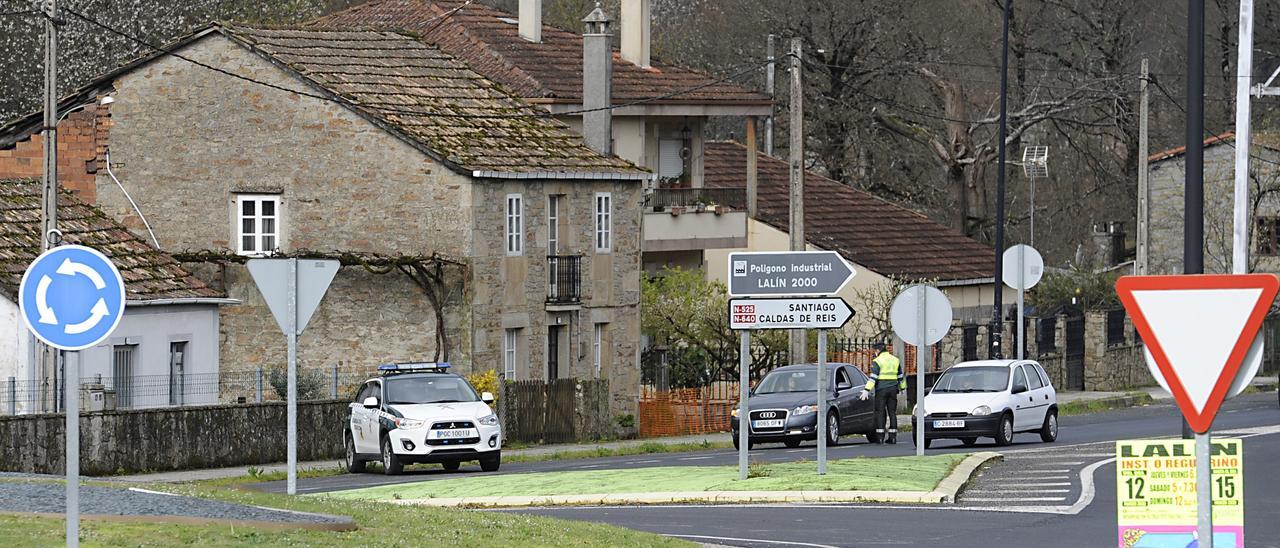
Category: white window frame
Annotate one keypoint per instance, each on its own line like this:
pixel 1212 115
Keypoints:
pixel 597 345
pixel 604 222
pixel 554 202
pixel 515 225
pixel 510 341
pixel 258 235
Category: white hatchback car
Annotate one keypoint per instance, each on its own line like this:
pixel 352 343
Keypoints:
pixel 992 398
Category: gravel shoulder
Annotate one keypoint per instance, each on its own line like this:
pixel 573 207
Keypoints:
pixel 50 497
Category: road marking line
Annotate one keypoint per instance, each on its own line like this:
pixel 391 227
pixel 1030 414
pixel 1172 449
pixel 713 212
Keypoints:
pixel 150 492
pixel 1050 484
pixel 799 451
pixel 591 466
pixel 648 461
pixel 1014 494
pixel 1028 499
pixel 694 458
pixel 1038 472
pixel 761 541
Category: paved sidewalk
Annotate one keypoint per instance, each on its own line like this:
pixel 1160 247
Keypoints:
pixel 541 450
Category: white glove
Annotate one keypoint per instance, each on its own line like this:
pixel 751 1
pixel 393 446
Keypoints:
pixel 862 396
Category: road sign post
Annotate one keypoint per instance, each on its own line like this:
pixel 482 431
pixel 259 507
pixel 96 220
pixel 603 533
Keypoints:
pixel 292 289
pixel 1199 330
pixel 72 297
pixel 821 426
pixel 921 315
pixel 744 411
pixel 1023 268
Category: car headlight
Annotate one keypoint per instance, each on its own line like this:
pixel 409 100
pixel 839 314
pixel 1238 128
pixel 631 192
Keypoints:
pixel 409 424
pixel 913 410
pixel 489 420
pixel 980 411
pixel 735 411
pixel 804 410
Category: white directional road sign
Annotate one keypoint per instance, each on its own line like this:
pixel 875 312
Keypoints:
pixel 801 313
pixel 905 315
pixel 777 273
pixel 72 297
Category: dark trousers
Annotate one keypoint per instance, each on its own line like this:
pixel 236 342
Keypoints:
pixel 886 401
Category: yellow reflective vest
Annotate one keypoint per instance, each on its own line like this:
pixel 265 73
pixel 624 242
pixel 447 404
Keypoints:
pixel 886 367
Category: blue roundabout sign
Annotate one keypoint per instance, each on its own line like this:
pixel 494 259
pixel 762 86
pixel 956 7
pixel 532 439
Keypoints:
pixel 72 297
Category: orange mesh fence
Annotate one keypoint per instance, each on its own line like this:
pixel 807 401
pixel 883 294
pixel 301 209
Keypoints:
pixel 687 411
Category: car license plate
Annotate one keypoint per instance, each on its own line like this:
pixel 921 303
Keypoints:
pixel 948 424
pixel 775 423
pixel 452 434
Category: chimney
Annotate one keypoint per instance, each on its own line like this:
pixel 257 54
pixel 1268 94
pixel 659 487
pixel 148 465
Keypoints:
pixel 636 18
pixel 531 20
pixel 1109 240
pixel 597 81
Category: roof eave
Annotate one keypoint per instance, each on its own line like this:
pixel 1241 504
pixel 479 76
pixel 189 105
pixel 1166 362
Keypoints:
pixel 564 175
pixel 182 301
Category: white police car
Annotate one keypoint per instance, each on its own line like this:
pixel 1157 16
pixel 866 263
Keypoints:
pixel 419 412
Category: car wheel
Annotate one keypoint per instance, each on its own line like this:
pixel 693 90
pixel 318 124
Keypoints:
pixel 969 442
pixel 792 442
pixel 451 466
pixel 927 441
pixel 354 464
pixel 1004 432
pixel 833 429
pixel 391 464
pixel 750 443
pixel 1049 432
pixel 491 464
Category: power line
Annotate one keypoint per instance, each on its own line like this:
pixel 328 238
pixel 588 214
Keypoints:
pixel 17 13
pixel 1228 142
pixel 345 102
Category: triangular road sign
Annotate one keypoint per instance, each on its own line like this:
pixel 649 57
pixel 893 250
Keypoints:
pixel 1198 329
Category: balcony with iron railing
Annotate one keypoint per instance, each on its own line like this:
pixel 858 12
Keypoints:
pixel 564 279
pixel 684 219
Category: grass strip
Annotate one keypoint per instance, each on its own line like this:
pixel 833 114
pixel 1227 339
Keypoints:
pixel 1133 399
pixel 860 473
pixel 380 524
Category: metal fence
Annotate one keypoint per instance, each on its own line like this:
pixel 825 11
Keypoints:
pixel 99 392
pixel 859 352
pixel 693 197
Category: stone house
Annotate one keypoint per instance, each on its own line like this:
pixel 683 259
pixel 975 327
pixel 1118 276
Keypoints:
pixel 472 228
pixel 661 108
pixel 166 344
pixel 1167 180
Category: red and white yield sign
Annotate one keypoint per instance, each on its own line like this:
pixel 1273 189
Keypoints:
pixel 1198 329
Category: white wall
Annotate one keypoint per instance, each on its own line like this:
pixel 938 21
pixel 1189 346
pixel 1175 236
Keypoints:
pixel 15 351
pixel 153 328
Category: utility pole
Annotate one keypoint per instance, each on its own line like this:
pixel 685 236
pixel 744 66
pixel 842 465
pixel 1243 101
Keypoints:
pixel 796 154
pixel 1193 236
pixel 768 79
pixel 1144 189
pixel 997 319
pixel 49 237
pixel 1244 72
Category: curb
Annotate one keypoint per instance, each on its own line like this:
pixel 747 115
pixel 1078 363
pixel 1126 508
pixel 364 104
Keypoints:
pixel 1118 402
pixel 944 493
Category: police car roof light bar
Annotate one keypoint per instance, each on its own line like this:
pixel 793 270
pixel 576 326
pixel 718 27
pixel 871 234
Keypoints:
pixel 413 367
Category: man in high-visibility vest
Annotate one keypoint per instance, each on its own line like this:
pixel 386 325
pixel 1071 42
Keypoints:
pixel 886 380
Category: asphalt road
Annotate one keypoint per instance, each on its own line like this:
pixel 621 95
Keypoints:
pixel 1003 507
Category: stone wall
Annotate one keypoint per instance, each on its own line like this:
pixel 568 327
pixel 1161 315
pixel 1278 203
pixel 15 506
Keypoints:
pixel 121 442
pixel 1167 180
pixel 343 184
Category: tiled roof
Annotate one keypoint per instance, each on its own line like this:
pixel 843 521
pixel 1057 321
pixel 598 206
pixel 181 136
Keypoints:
pixel 148 274
pixel 1227 136
pixel 880 235
pixel 489 40
pixel 432 98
